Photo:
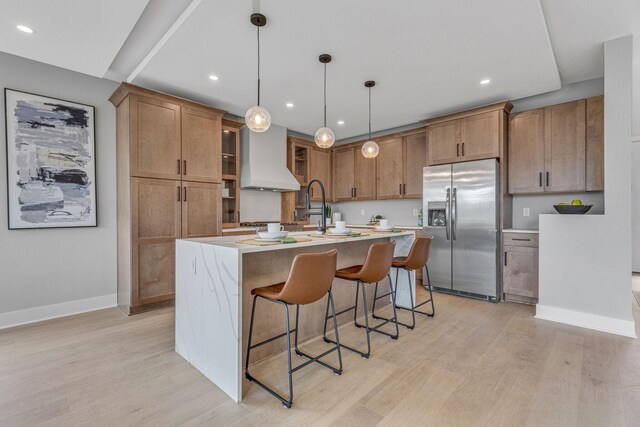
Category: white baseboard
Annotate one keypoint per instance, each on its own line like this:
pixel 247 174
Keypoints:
pixel 37 314
pixel 585 320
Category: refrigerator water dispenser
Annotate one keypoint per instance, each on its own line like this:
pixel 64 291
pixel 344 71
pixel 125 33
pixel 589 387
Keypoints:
pixel 436 214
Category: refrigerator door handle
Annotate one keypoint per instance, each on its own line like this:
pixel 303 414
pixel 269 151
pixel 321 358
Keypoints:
pixel 447 214
pixel 454 214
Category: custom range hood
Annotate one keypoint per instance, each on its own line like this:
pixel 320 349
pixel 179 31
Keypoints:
pixel 264 161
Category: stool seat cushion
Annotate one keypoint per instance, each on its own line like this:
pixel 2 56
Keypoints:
pixel 352 272
pixel 271 292
pixel 399 261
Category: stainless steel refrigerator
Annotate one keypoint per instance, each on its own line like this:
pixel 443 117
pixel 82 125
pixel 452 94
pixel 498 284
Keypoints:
pixel 461 203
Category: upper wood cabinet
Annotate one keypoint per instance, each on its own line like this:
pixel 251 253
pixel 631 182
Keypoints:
pixel 201 146
pixel 548 150
pixel 415 160
pixel 565 147
pixel 595 144
pixel 320 168
pixel 399 167
pixel 155 132
pixel 526 152
pixel 444 142
pixel 469 135
pixel 347 184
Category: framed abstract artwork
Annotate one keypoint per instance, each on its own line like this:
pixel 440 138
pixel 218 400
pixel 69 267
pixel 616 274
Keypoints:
pixel 51 170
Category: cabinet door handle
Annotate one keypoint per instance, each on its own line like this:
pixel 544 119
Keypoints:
pixel 457 150
pixel 400 190
pixel 179 167
pixel 404 188
pixel 184 167
pixel 311 191
pixel 505 258
pixel 547 179
pixel 463 149
pixel 355 192
pixel 540 178
pixel 185 194
pixel 178 188
pixel 521 240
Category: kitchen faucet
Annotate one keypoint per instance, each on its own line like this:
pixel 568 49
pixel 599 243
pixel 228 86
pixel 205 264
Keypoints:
pixel 313 211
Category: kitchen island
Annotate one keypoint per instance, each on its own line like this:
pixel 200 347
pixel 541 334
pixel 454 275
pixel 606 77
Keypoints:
pixel 214 278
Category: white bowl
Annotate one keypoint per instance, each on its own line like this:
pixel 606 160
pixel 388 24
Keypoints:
pixel 339 231
pixel 267 235
pixel 380 228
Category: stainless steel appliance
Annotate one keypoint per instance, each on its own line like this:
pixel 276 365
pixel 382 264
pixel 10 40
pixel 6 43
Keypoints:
pixel 461 202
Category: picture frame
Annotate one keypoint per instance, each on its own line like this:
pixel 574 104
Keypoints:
pixel 51 162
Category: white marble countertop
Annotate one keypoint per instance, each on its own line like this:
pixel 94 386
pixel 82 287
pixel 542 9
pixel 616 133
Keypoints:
pixel 230 241
pixel 519 230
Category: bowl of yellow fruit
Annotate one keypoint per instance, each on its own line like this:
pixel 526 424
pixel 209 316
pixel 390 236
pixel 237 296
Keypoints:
pixel 575 208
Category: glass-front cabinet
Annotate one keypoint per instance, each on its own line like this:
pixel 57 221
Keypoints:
pixel 230 176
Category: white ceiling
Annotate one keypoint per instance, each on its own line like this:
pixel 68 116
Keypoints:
pixel 427 56
pixel 578 29
pixel 80 35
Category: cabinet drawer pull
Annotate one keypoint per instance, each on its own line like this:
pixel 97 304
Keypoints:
pixel 522 240
pixel 184 167
pixel 179 167
pixel 185 194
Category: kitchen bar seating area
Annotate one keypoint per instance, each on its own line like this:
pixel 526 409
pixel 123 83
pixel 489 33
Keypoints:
pixel 335 213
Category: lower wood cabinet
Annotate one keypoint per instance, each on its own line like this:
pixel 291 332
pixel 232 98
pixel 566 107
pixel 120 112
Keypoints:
pixel 520 268
pixel 201 209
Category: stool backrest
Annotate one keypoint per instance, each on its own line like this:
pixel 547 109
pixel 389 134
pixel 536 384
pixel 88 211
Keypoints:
pixel 378 262
pixel 310 277
pixel 419 253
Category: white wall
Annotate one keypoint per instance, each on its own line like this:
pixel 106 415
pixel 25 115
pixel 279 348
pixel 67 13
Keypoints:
pixel 585 261
pixel 57 266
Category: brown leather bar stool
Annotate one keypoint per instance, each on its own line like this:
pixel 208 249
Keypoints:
pixel 376 266
pixel 417 259
pixel 309 280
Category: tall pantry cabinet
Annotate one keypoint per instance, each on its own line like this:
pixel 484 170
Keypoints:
pixel 169 174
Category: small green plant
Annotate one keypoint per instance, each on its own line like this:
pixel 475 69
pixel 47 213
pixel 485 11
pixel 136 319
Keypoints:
pixel 327 211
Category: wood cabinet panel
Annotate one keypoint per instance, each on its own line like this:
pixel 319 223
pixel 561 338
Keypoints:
pixel 156 223
pixel 319 167
pixel 365 179
pixel 565 147
pixel 526 152
pixel 201 146
pixel 444 142
pixel 390 164
pixel 595 144
pixel 343 174
pixel 415 159
pixel 201 209
pixel 480 136
pixel 520 272
pixel 155 138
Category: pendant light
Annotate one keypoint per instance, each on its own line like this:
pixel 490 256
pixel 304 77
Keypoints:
pixel 370 148
pixel 324 136
pixel 258 118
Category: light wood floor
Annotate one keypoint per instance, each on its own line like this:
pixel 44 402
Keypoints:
pixel 476 363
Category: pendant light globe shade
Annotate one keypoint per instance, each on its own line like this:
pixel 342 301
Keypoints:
pixel 325 137
pixel 258 119
pixel 370 149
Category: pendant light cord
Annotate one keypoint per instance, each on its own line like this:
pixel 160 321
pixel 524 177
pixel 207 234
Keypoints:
pixel 258 65
pixel 369 113
pixel 325 94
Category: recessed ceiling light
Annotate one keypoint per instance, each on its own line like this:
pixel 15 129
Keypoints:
pixel 25 29
pixel 340 122
pixel 214 78
pixel 485 82
pixel 289 105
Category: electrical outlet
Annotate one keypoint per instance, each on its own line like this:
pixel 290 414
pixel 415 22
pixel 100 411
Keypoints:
pixel 525 211
pixel 415 212
pixel 362 212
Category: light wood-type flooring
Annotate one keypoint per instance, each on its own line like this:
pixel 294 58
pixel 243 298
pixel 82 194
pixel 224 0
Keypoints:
pixel 475 363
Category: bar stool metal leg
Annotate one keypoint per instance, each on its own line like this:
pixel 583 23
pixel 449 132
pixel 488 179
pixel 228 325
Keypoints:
pixel 393 293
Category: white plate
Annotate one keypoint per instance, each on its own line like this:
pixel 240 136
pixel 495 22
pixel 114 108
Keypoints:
pixel 379 228
pixel 267 235
pixel 260 239
pixel 341 232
